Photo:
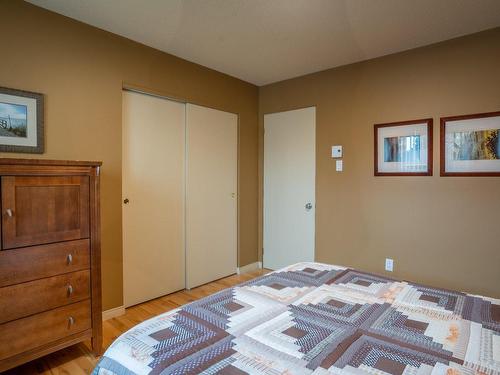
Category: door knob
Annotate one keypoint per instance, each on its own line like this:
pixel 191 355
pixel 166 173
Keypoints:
pixel 126 200
pixel 9 212
pixel 308 206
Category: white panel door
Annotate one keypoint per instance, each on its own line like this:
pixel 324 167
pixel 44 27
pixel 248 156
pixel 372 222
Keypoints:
pixel 289 187
pixel 153 193
pixel 211 187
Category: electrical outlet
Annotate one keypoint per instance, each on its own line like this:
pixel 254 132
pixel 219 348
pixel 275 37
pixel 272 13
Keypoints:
pixel 389 264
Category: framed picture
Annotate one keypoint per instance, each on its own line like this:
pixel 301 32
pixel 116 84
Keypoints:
pixel 21 121
pixel 470 145
pixel 403 148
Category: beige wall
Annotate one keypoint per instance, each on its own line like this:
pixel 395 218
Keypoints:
pixel 81 70
pixel 440 231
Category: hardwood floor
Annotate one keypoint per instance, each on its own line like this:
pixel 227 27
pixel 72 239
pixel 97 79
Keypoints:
pixel 78 359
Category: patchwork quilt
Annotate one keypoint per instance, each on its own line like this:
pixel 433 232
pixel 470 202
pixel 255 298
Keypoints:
pixel 312 318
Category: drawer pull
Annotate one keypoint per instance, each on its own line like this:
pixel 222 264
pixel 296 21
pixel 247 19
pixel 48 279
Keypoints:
pixel 70 290
pixel 71 321
pixel 69 259
pixel 9 213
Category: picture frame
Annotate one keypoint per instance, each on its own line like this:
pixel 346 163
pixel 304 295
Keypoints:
pixel 403 148
pixel 21 121
pixel 470 145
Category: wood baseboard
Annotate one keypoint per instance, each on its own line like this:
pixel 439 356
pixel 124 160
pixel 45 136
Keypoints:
pixel 249 268
pixel 113 313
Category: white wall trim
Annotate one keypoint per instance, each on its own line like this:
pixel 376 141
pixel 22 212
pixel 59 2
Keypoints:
pixel 113 313
pixel 249 268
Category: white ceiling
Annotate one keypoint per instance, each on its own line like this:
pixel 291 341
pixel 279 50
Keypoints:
pixel 264 41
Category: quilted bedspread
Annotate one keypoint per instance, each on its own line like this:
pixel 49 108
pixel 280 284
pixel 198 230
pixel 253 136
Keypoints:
pixel 313 318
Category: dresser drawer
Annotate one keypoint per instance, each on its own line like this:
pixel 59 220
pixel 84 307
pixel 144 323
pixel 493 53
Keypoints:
pixel 31 263
pixel 36 330
pixel 20 300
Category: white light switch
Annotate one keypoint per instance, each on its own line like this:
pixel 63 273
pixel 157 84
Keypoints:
pixel 336 151
pixel 339 165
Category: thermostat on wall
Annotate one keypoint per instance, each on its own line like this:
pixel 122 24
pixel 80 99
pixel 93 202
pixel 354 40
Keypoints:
pixel 336 151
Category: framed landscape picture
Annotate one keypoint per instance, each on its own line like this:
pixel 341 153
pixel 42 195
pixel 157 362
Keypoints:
pixel 21 121
pixel 403 148
pixel 470 145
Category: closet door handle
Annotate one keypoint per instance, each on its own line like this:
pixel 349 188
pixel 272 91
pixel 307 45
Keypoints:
pixel 9 213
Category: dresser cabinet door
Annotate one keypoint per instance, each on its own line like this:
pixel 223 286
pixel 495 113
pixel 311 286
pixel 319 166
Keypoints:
pixel 38 210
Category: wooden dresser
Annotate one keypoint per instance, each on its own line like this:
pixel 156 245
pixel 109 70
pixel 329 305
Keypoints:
pixel 50 262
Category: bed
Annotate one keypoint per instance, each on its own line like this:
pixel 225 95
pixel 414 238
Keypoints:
pixel 312 318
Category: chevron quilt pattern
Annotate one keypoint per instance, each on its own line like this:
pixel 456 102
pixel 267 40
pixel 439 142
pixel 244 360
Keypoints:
pixel 312 318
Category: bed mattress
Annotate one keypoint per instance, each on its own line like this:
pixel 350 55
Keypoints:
pixel 312 318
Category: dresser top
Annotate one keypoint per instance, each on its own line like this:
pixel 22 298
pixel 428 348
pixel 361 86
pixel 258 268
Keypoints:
pixel 13 161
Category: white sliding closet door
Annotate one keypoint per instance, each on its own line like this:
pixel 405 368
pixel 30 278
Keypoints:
pixel 153 197
pixel 211 187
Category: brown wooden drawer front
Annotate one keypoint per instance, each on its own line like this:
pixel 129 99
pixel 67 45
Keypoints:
pixel 24 334
pixel 20 300
pixel 42 209
pixel 31 263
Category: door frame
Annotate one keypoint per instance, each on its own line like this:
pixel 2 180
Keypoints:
pixel 262 163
